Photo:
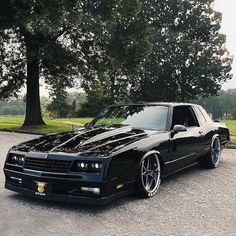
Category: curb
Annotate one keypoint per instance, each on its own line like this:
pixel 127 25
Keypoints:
pixel 231 146
pixel 21 132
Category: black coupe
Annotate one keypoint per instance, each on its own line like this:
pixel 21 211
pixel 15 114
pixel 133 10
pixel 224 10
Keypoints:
pixel 127 148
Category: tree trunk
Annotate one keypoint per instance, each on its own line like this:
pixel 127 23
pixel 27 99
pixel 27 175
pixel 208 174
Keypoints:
pixel 33 109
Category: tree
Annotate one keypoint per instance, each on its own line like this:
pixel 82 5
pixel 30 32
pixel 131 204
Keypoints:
pixel 12 107
pixel 137 49
pixel 59 106
pixel 223 104
pixel 189 58
pixel 233 113
pixel 125 41
pixel 95 102
pixel 184 56
pixel 66 40
pixel 31 47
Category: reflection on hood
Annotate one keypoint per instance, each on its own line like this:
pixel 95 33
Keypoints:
pixel 100 141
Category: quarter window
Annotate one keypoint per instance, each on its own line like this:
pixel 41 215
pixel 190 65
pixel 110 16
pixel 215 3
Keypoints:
pixel 200 116
pixel 207 117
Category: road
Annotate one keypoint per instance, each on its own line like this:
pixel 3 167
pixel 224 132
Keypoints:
pixel 193 202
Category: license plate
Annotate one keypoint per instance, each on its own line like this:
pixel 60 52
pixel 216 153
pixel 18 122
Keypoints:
pixel 42 188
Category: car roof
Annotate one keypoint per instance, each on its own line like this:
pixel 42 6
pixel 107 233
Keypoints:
pixel 169 104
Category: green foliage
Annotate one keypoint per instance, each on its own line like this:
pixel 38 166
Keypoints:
pixel 59 106
pixel 189 58
pixel 40 23
pixel 17 106
pixel 117 49
pixel 94 104
pixel 64 104
pixel 13 107
pixel 219 106
pixel 233 113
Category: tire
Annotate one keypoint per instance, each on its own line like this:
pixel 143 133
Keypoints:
pixel 212 158
pixel 149 176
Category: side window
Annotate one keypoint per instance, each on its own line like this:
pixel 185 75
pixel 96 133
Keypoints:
pixel 184 115
pixel 207 117
pixel 200 116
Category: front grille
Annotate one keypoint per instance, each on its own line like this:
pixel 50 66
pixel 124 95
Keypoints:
pixel 59 166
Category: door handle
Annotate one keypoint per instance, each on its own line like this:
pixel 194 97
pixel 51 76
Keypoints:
pixel 200 132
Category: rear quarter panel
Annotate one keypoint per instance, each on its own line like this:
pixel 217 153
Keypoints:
pixel 224 133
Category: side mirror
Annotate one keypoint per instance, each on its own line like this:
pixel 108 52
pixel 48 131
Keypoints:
pixel 177 129
pixel 217 121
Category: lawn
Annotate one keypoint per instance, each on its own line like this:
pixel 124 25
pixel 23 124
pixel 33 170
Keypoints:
pixel 231 124
pixel 13 123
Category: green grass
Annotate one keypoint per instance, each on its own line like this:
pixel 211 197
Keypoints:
pixel 13 123
pixel 231 124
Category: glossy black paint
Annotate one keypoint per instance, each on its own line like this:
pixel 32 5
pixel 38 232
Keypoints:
pixel 119 149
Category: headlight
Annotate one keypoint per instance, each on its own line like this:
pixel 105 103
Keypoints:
pixel 16 159
pixel 96 166
pixel 82 165
pixel 87 166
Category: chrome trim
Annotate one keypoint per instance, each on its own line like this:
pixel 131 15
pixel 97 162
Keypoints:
pixel 18 179
pixel 45 172
pixel 169 162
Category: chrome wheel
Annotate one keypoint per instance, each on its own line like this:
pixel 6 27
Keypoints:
pixel 150 171
pixel 215 151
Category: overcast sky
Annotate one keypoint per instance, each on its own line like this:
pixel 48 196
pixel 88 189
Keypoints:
pixel 228 8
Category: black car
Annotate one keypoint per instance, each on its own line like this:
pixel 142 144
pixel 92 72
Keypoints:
pixel 128 148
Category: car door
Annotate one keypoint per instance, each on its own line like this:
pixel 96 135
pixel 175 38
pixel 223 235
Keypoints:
pixel 184 146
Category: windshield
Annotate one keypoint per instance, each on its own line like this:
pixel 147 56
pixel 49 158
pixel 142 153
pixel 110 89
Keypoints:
pixel 136 116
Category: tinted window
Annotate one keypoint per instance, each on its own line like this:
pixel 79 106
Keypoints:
pixel 184 115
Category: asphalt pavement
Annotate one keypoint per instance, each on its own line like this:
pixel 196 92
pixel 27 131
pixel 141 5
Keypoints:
pixel 193 202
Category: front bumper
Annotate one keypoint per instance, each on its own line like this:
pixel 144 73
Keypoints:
pixel 68 198
pixel 64 188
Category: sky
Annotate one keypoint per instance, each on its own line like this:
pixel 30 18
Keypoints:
pixel 228 27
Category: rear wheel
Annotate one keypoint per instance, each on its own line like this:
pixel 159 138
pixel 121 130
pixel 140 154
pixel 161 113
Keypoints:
pixel 212 159
pixel 149 177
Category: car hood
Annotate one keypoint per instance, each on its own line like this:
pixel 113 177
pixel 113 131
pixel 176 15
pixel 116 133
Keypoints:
pixel 98 141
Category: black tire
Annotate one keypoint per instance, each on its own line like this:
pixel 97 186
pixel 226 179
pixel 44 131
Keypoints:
pixel 149 176
pixel 212 158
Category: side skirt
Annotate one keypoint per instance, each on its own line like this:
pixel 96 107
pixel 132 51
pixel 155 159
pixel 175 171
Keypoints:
pixel 178 170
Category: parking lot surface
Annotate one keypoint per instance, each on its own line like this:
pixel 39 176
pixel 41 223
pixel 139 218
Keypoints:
pixel 192 202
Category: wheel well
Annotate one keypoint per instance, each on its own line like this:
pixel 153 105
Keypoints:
pixel 161 162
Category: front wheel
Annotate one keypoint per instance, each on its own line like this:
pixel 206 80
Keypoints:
pixel 149 177
pixel 212 159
